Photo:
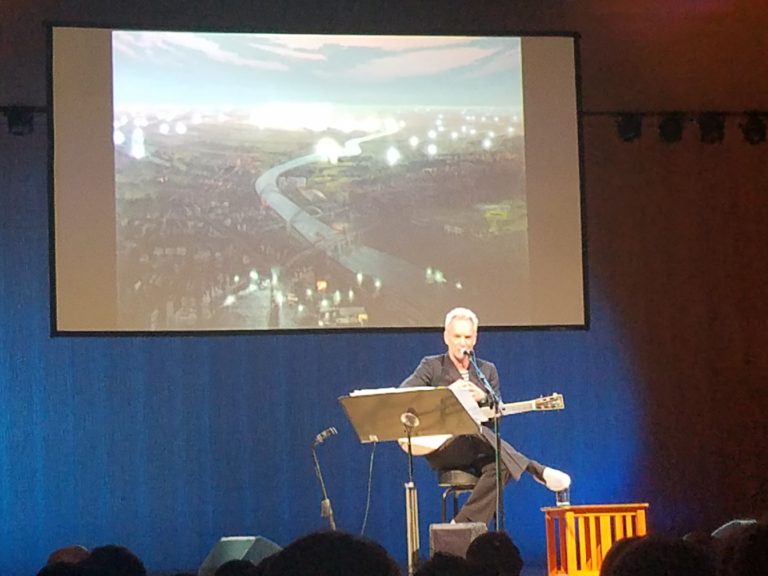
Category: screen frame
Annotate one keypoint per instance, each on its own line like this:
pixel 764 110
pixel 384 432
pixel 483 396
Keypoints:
pixel 55 285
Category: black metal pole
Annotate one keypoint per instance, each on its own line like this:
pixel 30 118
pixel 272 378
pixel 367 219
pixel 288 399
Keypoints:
pixel 495 403
pixel 326 510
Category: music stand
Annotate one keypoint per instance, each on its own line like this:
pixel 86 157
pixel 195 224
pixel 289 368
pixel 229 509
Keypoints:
pixel 390 414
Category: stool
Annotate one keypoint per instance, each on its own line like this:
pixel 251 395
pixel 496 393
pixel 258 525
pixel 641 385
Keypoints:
pixel 578 537
pixel 456 482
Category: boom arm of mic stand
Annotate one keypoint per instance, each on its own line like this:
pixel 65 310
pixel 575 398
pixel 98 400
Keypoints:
pixel 492 393
pixel 326 510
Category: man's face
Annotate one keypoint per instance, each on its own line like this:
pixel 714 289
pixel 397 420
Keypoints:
pixel 459 336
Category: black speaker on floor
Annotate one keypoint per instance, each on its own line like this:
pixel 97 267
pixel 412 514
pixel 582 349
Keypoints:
pixel 251 548
pixel 454 538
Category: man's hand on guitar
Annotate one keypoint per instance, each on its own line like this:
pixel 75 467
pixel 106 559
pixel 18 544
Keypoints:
pixel 478 395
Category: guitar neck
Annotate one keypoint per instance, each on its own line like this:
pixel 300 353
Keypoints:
pixel 518 407
pixel 511 408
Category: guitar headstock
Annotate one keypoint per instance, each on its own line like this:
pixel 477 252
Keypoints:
pixel 554 401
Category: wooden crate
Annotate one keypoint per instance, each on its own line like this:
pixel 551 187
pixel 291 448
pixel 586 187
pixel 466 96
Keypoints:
pixel 578 537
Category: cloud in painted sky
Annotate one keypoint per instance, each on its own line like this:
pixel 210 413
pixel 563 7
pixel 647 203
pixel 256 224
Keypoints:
pixel 289 52
pixel 421 63
pixel 154 45
pixel 501 62
pixel 387 43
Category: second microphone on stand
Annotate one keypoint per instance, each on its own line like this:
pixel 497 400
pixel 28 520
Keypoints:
pixel 326 511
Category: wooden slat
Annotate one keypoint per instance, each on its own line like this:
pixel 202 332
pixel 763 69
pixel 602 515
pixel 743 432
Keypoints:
pixel 562 540
pixel 618 525
pixel 641 527
pixel 606 538
pixel 583 536
pixel 570 543
pixel 552 568
pixel 593 536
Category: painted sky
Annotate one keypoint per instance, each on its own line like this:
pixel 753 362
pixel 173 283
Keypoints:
pixel 243 70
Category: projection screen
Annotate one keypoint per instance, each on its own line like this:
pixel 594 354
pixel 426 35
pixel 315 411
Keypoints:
pixel 250 182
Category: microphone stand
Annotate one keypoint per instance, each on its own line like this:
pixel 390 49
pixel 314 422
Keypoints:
pixel 410 421
pixel 495 403
pixel 326 511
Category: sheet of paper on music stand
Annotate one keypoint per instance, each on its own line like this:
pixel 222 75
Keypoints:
pixel 465 397
pixel 375 415
pixel 370 391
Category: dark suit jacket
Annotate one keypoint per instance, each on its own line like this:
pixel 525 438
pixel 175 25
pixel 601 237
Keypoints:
pixel 440 371
pixel 466 451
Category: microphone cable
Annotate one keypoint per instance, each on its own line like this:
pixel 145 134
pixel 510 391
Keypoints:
pixel 368 496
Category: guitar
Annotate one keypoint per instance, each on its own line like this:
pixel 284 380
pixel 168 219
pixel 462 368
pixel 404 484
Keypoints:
pixel 423 445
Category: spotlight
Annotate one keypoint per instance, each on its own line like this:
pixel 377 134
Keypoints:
pixel 21 119
pixel 671 127
pixel 753 128
pixel 711 127
pixel 629 126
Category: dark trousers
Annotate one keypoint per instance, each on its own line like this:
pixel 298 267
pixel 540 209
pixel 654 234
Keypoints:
pixel 477 454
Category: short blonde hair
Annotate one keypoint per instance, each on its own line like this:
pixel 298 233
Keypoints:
pixel 462 313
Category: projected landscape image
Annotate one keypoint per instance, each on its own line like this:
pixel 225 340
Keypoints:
pixel 293 181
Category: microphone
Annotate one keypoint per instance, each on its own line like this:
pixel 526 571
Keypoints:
pixel 324 435
pixel 409 419
pixel 468 352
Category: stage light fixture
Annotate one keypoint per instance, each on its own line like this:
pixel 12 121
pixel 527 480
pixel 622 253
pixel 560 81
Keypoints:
pixel 753 128
pixel 671 127
pixel 21 119
pixel 711 127
pixel 630 126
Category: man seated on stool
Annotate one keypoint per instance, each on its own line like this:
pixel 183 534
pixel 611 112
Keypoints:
pixel 475 452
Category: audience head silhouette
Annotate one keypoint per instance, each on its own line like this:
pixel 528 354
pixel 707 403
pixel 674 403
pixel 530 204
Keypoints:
pixel 749 553
pixel 494 554
pixel 614 552
pixel 442 564
pixel 69 554
pixel 113 560
pixel 61 569
pixel 237 568
pixel 659 555
pixel 332 554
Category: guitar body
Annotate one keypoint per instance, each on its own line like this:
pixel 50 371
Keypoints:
pixel 423 445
